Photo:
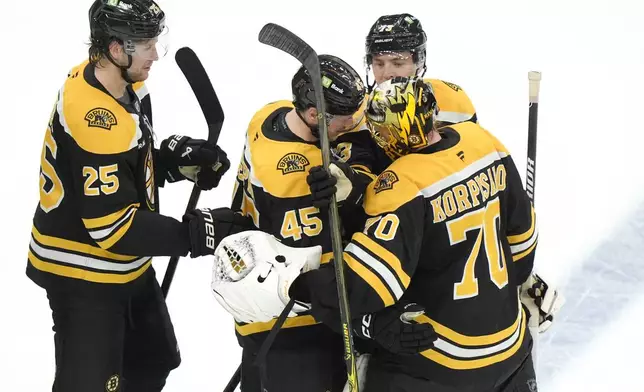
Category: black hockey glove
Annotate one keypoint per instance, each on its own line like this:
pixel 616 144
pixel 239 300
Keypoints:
pixel 394 329
pixel 342 181
pixel 194 159
pixel 207 227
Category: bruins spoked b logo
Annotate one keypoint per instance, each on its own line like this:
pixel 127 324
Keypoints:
pixel 112 384
pixel 292 162
pixel 101 118
pixel 385 181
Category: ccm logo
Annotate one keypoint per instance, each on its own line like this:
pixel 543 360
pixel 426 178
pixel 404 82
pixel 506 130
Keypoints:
pixel 210 229
pixel 366 322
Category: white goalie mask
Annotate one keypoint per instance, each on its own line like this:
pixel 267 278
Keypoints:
pixel 253 271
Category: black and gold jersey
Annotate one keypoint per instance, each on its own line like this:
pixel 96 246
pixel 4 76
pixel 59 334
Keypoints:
pixel 271 189
pixel 97 224
pixel 362 153
pixel 450 228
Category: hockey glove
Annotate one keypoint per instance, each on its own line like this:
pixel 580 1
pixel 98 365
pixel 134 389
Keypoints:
pixel 394 329
pixel 196 160
pixel 541 300
pixel 207 227
pixel 341 180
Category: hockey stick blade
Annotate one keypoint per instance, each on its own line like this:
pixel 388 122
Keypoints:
pixel 279 37
pixel 284 40
pixel 199 81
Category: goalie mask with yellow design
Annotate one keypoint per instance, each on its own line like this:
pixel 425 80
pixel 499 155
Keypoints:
pixel 401 114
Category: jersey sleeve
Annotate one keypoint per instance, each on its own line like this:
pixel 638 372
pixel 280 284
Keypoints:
pixel 104 167
pixel 521 229
pixel 380 260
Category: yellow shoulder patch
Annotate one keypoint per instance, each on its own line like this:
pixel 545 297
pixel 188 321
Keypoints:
pixel 389 191
pixel 385 181
pixel 95 120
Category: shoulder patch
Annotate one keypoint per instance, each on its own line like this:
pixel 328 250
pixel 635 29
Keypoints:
pixel 101 118
pixel 292 163
pixel 453 86
pixel 385 181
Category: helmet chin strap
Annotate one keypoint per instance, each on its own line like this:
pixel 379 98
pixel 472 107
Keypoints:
pixel 123 69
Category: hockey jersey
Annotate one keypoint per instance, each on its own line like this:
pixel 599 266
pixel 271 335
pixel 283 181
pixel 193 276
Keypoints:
pixel 364 155
pixel 271 189
pixel 97 224
pixel 450 228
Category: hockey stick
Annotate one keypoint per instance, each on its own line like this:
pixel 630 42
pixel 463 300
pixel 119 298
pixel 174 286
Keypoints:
pixel 282 39
pixel 530 182
pixel 260 359
pixel 535 82
pixel 199 81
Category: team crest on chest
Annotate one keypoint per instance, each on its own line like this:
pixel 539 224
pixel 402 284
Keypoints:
pixel 292 162
pixel 385 181
pixel 101 118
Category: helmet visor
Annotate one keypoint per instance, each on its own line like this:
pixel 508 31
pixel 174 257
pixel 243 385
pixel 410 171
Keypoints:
pixel 149 49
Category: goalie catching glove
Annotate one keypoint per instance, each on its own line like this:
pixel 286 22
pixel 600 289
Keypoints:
pixel 196 160
pixel 541 300
pixel 253 271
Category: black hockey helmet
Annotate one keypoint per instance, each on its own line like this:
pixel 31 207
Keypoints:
pixel 125 20
pixel 343 88
pixel 397 33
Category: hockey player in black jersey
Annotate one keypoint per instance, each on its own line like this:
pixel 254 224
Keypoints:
pixel 97 224
pixel 450 228
pixel 396 46
pixel 272 193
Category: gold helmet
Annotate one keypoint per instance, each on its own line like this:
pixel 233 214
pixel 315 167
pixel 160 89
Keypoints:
pixel 400 114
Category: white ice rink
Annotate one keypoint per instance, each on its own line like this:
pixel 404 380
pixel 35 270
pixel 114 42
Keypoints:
pixel 590 185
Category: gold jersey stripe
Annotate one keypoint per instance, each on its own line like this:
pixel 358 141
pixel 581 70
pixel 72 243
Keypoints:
pixel 78 273
pixel 115 237
pixel 518 238
pixel 87 249
pixel 384 254
pixel 326 258
pixel 291 322
pixel 107 220
pixel 370 278
pixel 465 340
pixel 523 254
pixel 459 364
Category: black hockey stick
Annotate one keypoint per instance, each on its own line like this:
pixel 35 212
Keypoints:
pixel 531 174
pixel 282 39
pixel 199 81
pixel 534 79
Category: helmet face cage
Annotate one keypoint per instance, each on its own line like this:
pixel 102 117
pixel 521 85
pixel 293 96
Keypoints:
pixel 401 114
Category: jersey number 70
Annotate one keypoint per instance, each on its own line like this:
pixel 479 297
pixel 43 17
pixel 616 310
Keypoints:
pixel 484 222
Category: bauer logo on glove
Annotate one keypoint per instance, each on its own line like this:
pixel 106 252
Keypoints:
pixel 253 271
